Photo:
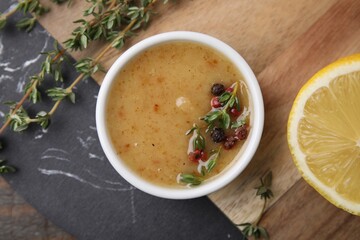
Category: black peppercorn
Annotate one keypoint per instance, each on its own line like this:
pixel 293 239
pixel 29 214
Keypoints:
pixel 217 89
pixel 218 135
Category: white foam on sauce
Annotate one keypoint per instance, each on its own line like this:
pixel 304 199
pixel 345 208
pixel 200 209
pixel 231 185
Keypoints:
pixel 184 104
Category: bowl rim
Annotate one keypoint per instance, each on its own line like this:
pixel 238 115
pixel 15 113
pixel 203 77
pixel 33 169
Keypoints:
pixel 237 167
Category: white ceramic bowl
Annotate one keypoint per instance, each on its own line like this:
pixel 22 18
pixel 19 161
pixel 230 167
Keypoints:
pixel 243 157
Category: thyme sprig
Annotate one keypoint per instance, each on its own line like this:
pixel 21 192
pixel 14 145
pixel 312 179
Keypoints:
pixel 204 167
pixel 264 189
pixel 220 115
pixel 33 7
pixel 53 62
pixel 190 179
pixel 92 65
pixel 208 166
pixel 52 65
pixel 18 118
pixel 199 141
pixel 108 18
pixel 58 94
pixel 26 23
pixel 265 193
pixel 88 66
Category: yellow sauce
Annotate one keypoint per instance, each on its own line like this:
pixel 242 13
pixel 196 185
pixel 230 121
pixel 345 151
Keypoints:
pixel 156 98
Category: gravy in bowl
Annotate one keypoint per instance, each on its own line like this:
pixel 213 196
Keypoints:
pixel 157 97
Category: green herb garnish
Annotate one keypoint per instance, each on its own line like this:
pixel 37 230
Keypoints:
pixel 265 193
pixel 238 123
pixel 5 168
pixel 228 100
pixel 208 166
pixel 33 7
pixel 190 179
pixel 199 140
pixel 218 120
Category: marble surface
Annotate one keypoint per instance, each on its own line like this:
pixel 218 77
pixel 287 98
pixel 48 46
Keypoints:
pixel 64 173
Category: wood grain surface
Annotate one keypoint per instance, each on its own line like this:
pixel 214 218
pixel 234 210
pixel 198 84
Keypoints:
pixel 285 43
pixel 20 221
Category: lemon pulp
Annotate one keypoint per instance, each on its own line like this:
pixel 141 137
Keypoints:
pixel 329 134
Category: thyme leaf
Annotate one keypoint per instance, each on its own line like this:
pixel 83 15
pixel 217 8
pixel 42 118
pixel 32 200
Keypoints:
pixel 238 123
pixel 43 119
pixel 225 120
pixel 61 1
pixel 32 6
pixel 53 63
pixel 5 168
pixel 250 230
pixel 263 190
pixel 26 24
pixel 212 161
pixel 19 120
pixel 31 86
pixel 88 66
pixel 190 179
pixel 198 140
pixel 58 93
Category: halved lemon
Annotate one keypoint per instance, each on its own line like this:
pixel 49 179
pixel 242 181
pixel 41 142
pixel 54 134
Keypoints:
pixel 324 133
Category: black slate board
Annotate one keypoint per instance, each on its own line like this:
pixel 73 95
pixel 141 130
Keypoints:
pixel 64 173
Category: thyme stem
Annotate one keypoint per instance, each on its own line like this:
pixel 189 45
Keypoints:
pixel 261 213
pixel 109 46
pixel 57 56
pixel 233 94
pixel 112 4
pixel 77 80
pixel 10 13
pixel 53 109
pixel 27 94
pixel 98 58
pixel 253 229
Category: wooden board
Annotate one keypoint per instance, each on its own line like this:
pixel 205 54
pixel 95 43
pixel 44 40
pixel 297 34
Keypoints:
pixel 285 42
pixel 21 221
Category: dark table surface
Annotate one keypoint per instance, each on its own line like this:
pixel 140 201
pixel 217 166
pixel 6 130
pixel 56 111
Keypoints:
pixel 64 173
